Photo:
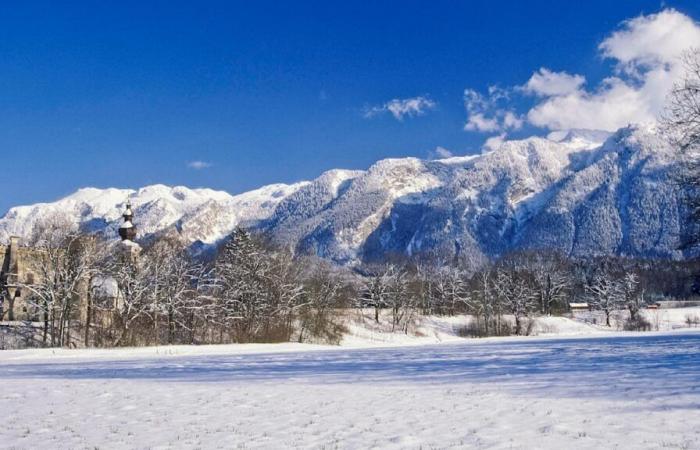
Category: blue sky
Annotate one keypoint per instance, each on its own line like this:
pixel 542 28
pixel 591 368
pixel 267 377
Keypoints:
pixel 127 94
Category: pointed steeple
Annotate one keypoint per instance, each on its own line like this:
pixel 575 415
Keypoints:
pixel 128 213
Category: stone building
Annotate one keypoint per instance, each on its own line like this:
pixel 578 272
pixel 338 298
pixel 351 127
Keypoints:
pixel 15 270
pixel 17 262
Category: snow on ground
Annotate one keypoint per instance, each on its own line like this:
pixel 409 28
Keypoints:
pixel 364 332
pixel 673 318
pixel 630 391
pixel 663 319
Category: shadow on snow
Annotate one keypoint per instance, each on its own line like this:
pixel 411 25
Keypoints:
pixel 645 366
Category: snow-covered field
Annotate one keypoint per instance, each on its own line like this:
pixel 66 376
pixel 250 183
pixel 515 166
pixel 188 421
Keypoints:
pixel 364 332
pixel 632 391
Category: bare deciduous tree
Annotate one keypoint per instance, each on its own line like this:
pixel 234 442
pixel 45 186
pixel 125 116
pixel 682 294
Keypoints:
pixel 324 290
pixel 633 296
pixel 451 292
pixel 134 296
pixel 551 280
pixel 515 293
pixel 681 124
pixel 681 120
pixel 62 272
pixel 604 292
pixel 376 289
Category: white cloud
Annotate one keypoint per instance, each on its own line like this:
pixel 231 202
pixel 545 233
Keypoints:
pixel 547 83
pixel 487 114
pixel 650 41
pixel 400 108
pixel 645 52
pixel 511 121
pixel 614 105
pixel 477 122
pixel 198 165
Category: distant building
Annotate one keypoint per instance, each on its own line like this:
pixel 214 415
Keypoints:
pixel 127 232
pixel 15 270
pixel 579 307
pixel 17 264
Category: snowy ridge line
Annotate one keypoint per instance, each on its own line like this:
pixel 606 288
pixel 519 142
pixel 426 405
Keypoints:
pixel 582 193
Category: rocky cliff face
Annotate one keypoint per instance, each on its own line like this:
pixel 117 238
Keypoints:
pixel 582 193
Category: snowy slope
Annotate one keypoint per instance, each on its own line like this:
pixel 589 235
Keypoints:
pixel 581 192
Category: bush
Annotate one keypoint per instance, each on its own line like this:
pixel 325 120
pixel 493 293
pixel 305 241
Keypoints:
pixel 692 320
pixel 639 323
pixel 320 328
pixel 477 329
pixel 530 324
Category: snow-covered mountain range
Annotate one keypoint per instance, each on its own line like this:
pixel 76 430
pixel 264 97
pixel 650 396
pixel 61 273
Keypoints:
pixel 580 192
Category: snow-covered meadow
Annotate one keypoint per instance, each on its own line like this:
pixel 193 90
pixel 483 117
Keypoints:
pixel 629 391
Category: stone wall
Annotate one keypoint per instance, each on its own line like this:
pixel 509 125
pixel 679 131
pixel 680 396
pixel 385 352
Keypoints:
pixel 15 268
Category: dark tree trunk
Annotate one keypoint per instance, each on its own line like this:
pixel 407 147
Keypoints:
pixel 171 325
pixel 46 324
pixel 88 316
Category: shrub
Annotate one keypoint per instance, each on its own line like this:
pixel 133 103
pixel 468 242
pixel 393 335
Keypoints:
pixel 692 320
pixel 530 326
pixel 318 328
pixel 477 329
pixel 639 323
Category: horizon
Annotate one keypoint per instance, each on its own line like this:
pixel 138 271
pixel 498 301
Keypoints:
pixel 234 97
pixel 137 189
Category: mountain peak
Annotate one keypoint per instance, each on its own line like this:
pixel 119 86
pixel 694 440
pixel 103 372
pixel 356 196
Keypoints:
pixel 591 137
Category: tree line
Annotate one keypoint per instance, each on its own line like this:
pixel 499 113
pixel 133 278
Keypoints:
pixel 89 292
pixel 504 296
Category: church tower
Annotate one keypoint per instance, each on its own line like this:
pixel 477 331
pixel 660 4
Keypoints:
pixel 130 249
pixel 128 231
